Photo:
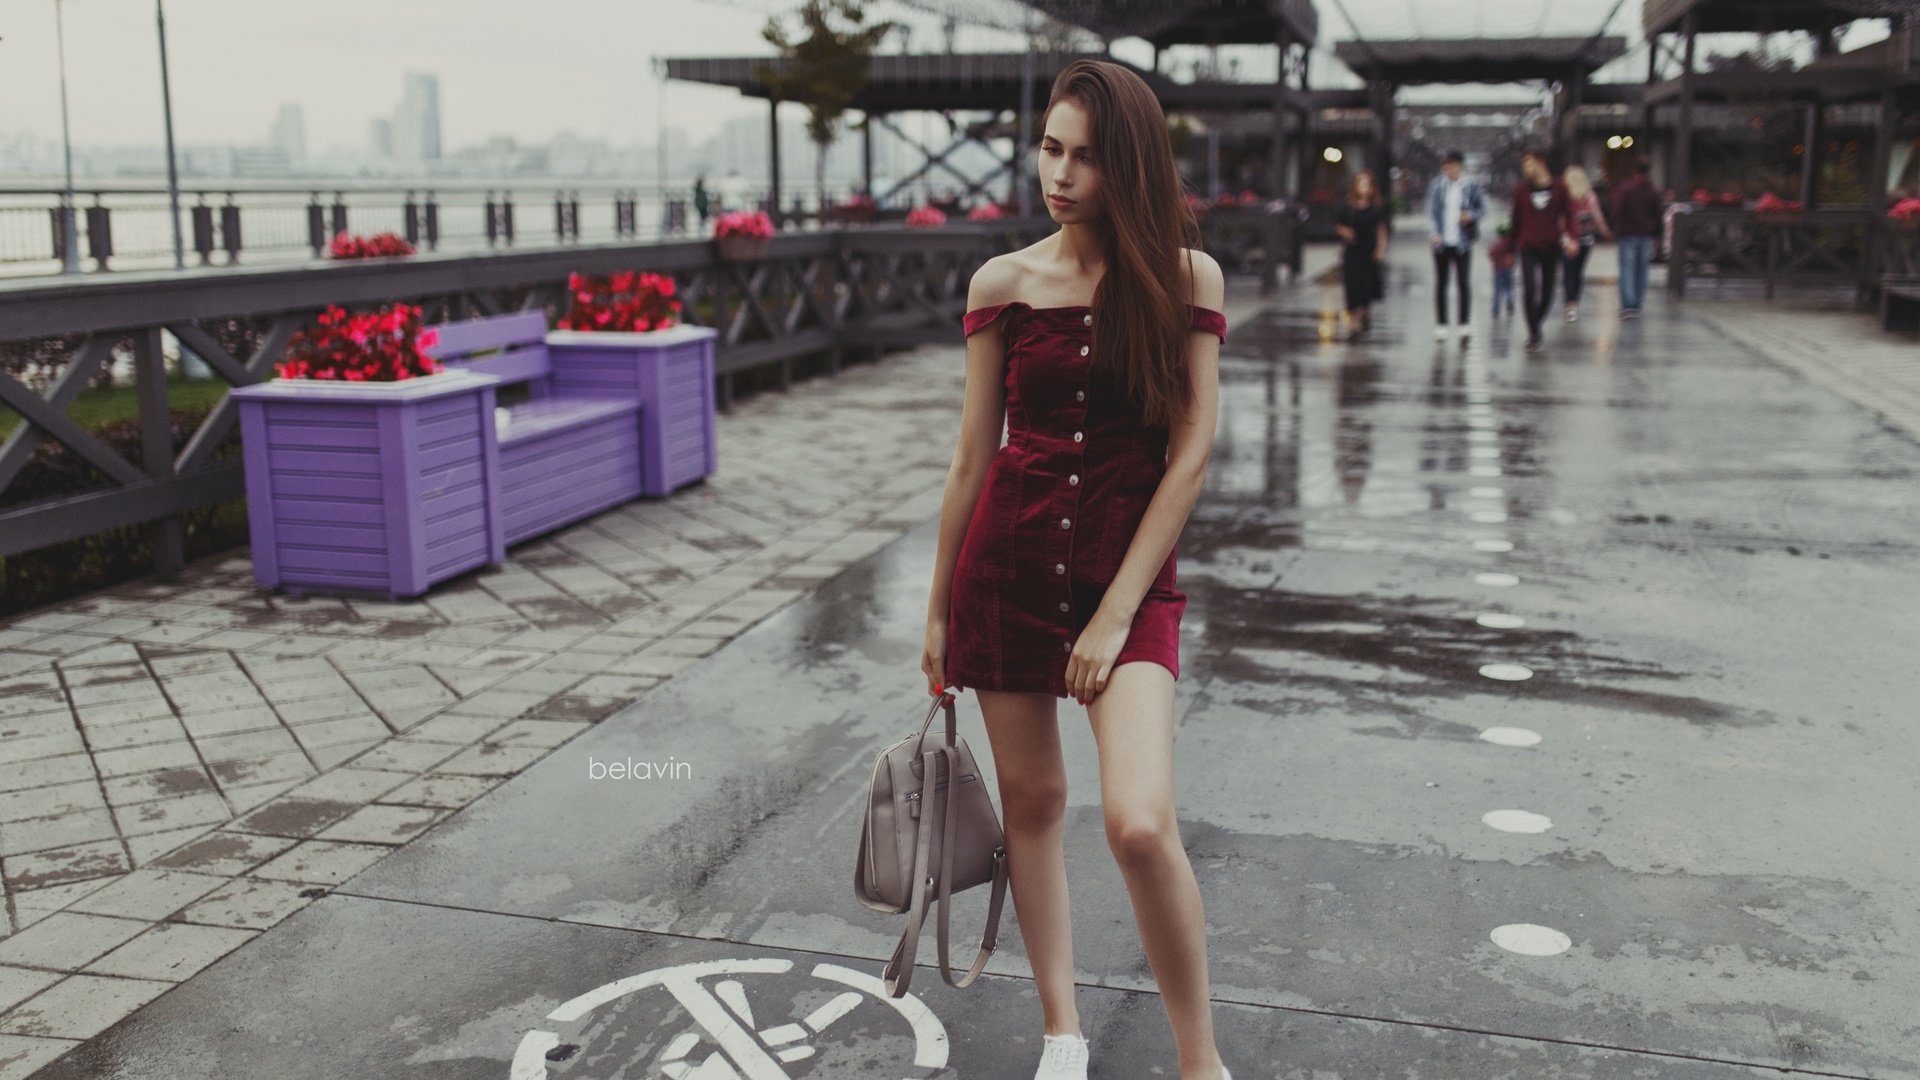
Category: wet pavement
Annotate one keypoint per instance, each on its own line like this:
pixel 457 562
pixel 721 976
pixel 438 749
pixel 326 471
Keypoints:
pixel 1540 717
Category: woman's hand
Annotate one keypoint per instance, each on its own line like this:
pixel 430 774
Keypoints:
pixel 933 657
pixel 1091 663
pixel 1380 254
pixel 1343 232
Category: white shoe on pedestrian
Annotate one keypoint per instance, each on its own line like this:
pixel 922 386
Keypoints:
pixel 1573 314
pixel 1465 331
pixel 1062 1057
pixel 1440 332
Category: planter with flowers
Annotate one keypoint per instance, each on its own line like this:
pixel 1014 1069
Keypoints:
pixel 856 209
pixel 986 212
pixel 379 245
pixel 1904 215
pixel 1774 210
pixel 742 235
pixel 369 468
pixel 926 217
pixel 622 336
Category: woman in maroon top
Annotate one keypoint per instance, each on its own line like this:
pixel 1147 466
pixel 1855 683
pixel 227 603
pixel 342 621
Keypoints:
pixel 1543 235
pixel 1099 347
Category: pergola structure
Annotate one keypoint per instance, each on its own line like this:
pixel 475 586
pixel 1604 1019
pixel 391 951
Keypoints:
pixel 1389 65
pixel 951 82
pixel 1883 73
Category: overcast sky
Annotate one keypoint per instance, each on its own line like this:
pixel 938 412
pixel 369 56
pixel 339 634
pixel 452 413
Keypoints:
pixel 514 68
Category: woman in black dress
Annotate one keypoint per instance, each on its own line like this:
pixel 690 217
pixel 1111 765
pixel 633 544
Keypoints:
pixel 1362 226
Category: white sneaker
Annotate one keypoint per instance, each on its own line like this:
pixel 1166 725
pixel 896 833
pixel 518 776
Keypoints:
pixel 1440 332
pixel 1573 314
pixel 1062 1057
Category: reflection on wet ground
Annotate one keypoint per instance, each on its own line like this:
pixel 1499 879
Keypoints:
pixel 1538 717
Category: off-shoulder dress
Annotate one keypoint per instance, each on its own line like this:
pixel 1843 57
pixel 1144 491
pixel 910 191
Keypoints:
pixel 1062 501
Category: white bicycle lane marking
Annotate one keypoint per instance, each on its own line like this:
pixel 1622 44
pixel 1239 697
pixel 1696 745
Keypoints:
pixel 740 1049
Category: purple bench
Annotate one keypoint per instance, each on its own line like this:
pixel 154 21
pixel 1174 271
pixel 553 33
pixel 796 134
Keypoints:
pixel 567 452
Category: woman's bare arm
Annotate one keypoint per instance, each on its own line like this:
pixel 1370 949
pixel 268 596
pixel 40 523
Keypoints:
pixel 1189 447
pixel 982 417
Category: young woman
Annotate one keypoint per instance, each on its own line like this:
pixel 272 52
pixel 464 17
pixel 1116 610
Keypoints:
pixel 1054 574
pixel 1362 226
pixel 1590 225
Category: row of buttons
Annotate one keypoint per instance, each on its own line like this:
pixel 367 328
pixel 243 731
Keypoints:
pixel 1072 480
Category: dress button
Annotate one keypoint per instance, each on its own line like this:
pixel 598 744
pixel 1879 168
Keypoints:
pixel 1059 568
pixel 1088 320
pixel 1066 646
pixel 1078 436
pixel 1083 350
pixel 1079 395
pixel 1073 480
pixel 1066 523
pixel 1063 606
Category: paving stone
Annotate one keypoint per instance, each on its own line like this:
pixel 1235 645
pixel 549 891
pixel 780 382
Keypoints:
pixel 172 952
pixel 336 754
pixel 320 862
pixel 502 704
pixel 459 730
pixel 544 733
pixel 231 721
pixel 144 848
pixel 60 866
pixel 466 681
pixel 490 760
pixel 137 759
pixel 114 713
pixel 20 983
pixel 137 733
pixel 247 796
pixel 50 800
pixel 353 785
pixel 354 729
pixel 23 1055
pixel 246 772
pixel 405 755
pixel 108 663
pixel 447 792
pixel 55 831
pixel 150 894
pixel 158 784
pixel 163 815
pixel 243 745
pixel 68 940
pixel 382 824
pixel 317 709
pixel 81 1006
pixel 35 747
pixel 224 853
pixel 250 903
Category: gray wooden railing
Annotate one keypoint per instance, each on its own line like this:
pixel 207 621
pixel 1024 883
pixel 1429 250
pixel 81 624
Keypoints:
pixel 820 292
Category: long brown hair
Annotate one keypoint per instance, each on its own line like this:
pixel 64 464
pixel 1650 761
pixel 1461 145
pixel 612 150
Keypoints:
pixel 1140 323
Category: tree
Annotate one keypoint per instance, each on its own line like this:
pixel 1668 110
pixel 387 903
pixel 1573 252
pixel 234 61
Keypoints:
pixel 825 70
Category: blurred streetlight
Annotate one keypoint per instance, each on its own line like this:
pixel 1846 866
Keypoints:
pixel 173 165
pixel 69 235
pixel 1332 153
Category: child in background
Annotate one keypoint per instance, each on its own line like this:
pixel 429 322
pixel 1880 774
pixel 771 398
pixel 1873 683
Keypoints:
pixel 1501 256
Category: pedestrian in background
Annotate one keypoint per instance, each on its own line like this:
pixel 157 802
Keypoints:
pixel 1454 206
pixel 1636 220
pixel 1589 225
pixel 1543 234
pixel 1362 227
pixel 1500 256
pixel 701 200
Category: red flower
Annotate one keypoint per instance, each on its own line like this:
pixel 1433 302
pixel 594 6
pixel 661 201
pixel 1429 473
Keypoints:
pixel 379 346
pixel 626 300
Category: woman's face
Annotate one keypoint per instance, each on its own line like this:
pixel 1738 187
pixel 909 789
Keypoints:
pixel 1363 187
pixel 1069 176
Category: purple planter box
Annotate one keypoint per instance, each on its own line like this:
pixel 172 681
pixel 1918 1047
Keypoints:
pixel 670 372
pixel 381 488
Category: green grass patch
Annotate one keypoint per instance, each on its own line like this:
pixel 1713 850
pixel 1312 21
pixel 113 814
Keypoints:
pixel 95 407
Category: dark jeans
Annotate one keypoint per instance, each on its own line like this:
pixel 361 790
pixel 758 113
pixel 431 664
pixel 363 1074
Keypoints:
pixel 1577 272
pixel 1536 284
pixel 1457 261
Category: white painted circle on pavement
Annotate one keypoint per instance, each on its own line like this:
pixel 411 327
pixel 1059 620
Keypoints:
pixel 1485 470
pixel 1511 736
pixel 1528 939
pixel 1507 672
pixel 1483 451
pixel 1489 517
pixel 1563 516
pixel 1487 492
pixel 1496 579
pixel 1521 821
pixel 1500 620
pixel 1492 544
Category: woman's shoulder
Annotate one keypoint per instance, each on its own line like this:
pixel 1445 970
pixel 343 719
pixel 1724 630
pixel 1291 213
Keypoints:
pixel 997 281
pixel 1202 278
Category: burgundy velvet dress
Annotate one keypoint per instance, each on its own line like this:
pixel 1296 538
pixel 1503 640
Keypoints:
pixel 1062 501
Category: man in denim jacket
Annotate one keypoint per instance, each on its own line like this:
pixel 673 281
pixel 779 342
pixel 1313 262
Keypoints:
pixel 1455 204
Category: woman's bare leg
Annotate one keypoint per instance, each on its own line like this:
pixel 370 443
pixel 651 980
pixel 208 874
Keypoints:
pixel 1133 727
pixel 1024 731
